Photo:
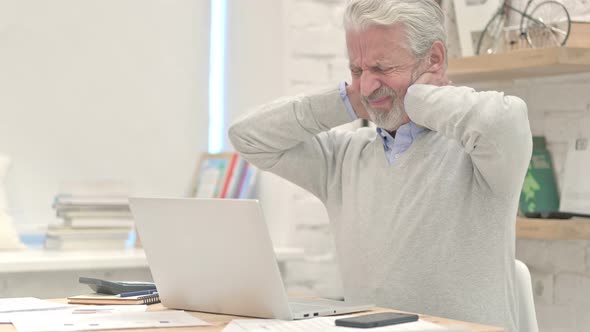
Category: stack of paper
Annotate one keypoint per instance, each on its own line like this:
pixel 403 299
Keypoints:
pixel 71 321
pixel 28 304
pixel 324 324
pixel 12 306
pixel 7 318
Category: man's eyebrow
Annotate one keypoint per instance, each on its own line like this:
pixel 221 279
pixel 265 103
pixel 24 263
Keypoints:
pixel 377 64
pixel 384 64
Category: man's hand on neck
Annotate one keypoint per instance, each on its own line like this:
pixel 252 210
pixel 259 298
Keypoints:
pixel 433 78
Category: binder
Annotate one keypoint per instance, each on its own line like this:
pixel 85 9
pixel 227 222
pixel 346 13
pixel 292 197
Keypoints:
pixel 539 191
pixel 97 298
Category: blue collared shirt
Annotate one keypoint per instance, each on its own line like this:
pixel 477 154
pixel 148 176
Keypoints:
pixel 393 147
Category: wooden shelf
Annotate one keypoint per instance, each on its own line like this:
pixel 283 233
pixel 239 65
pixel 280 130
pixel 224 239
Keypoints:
pixel 525 63
pixel 553 229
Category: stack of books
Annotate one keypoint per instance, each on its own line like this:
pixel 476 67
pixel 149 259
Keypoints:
pixel 90 222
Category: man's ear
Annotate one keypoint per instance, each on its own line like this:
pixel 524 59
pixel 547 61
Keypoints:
pixel 437 58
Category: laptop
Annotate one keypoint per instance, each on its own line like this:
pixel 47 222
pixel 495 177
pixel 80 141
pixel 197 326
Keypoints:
pixel 216 255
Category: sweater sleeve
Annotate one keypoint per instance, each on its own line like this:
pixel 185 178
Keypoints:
pixel 492 128
pixel 291 138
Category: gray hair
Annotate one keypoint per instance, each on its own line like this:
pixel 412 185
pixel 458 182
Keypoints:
pixel 424 20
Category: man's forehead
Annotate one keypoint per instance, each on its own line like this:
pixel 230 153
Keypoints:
pixel 359 55
pixel 377 44
pixel 374 61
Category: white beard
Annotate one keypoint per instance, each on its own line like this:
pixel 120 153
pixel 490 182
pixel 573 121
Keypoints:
pixel 390 119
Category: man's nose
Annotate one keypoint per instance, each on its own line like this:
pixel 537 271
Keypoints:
pixel 369 83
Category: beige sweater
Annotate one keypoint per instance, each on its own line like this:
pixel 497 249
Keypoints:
pixel 434 232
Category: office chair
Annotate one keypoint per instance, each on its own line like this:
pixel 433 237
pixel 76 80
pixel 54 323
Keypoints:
pixel 526 305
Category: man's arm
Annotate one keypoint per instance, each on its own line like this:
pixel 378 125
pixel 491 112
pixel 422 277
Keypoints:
pixel 492 128
pixel 290 138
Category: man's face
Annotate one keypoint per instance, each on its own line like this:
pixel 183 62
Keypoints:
pixel 382 69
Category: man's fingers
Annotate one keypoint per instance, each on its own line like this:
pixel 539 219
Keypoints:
pixel 425 78
pixel 433 79
pixel 444 79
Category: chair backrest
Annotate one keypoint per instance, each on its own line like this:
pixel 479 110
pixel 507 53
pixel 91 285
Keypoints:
pixel 526 304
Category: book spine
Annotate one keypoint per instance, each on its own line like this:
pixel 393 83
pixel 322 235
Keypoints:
pixel 228 176
pixel 236 178
pixel 247 188
pixel 223 169
pixel 242 180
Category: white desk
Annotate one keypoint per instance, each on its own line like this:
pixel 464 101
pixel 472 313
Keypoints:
pixel 55 260
pixel 53 273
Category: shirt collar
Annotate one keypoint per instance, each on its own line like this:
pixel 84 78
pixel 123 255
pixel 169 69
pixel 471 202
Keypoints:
pixel 404 137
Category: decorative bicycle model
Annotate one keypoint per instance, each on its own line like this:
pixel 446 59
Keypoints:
pixel 543 24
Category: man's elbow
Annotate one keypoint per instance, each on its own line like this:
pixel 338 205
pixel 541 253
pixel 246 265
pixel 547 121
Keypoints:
pixel 517 116
pixel 519 129
pixel 516 105
pixel 235 133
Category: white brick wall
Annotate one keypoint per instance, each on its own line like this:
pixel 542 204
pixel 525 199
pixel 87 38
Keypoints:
pixel 559 108
pixel 569 289
pixel 548 256
pixel 543 289
pixel 561 282
pixel 315 58
pixel 314 39
pixel 306 70
pixel 555 318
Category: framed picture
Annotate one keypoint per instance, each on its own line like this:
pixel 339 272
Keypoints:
pixel 210 174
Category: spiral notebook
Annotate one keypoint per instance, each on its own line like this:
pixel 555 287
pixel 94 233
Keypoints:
pixel 97 298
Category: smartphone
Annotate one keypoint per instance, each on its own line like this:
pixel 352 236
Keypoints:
pixel 375 320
